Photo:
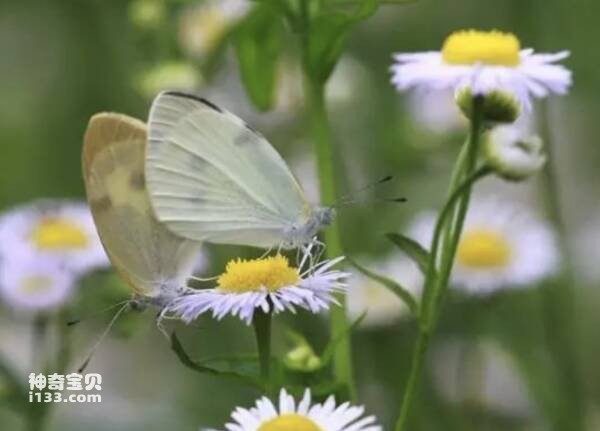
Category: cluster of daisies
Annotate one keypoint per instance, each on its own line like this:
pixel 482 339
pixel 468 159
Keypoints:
pixel 45 247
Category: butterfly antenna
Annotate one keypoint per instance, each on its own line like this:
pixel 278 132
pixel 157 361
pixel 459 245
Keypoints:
pixel 351 196
pixel 96 313
pixel 102 337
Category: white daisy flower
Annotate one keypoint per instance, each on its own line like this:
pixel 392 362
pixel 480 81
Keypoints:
pixel 383 307
pixel 484 62
pixel 203 26
pixel 265 416
pixel 270 284
pixel 35 285
pixel 501 246
pixel 61 232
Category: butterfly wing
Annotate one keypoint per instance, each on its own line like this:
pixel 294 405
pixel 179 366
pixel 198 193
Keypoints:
pixel 213 178
pixel 147 255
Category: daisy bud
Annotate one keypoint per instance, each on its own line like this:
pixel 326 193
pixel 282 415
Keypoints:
pixel 513 155
pixel 498 106
pixel 302 358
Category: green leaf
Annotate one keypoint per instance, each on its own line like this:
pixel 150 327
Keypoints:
pixel 327 37
pixel 393 286
pixel 205 369
pixel 258 41
pixel 412 248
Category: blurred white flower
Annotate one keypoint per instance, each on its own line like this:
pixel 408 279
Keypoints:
pixel 35 285
pixel 483 373
pixel 174 75
pixel 513 154
pixel 382 306
pixel 484 62
pixel 57 231
pixel 203 25
pixel 301 416
pixel 435 111
pixel 502 246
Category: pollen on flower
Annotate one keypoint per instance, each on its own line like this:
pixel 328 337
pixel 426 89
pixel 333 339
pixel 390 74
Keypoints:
pixel 289 422
pixel 486 47
pixel 271 273
pixel 58 234
pixel 483 249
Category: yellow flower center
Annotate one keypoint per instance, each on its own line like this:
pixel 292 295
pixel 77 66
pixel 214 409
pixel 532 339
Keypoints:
pixel 483 249
pixel 271 273
pixel 57 234
pixel 290 422
pixel 36 284
pixel 486 47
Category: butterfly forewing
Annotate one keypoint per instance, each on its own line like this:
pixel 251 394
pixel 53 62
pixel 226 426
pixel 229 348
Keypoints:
pixel 213 178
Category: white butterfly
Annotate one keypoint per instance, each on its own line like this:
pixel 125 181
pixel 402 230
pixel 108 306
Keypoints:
pixel 212 178
pixel 154 261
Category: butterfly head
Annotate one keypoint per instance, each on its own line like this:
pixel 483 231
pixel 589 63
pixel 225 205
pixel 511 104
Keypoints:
pixel 299 235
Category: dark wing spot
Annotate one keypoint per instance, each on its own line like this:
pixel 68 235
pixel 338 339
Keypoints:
pixel 196 98
pixel 101 204
pixel 248 136
pixel 137 181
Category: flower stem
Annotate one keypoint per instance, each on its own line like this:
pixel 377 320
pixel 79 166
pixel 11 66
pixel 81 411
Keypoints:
pixel 262 330
pixel 436 282
pixel 558 297
pixel 321 134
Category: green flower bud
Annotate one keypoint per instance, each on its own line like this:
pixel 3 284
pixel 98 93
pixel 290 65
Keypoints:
pixel 302 358
pixel 147 14
pixel 498 106
pixel 512 155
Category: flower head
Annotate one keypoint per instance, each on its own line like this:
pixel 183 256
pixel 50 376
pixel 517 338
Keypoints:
pixel 484 62
pixel 270 284
pixel 35 285
pixel 501 246
pixel 513 154
pixel 62 232
pixel 44 247
pixel 303 416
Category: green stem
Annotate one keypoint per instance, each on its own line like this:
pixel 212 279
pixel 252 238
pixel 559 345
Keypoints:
pixel 321 134
pixel 436 283
pixel 262 330
pixel 558 297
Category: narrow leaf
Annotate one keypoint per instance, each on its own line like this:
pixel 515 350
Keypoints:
pixel 393 286
pixel 258 42
pixel 204 369
pixel 412 248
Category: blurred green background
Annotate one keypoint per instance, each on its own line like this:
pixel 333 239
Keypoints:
pixel 63 60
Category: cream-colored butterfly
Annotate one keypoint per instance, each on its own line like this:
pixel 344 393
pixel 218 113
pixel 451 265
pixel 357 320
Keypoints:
pixel 150 258
pixel 212 178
